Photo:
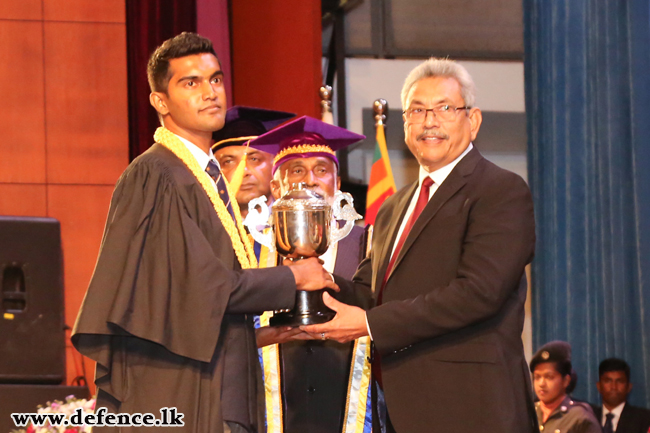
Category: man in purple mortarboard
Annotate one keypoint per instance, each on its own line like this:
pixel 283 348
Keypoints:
pixel 314 386
pixel 247 169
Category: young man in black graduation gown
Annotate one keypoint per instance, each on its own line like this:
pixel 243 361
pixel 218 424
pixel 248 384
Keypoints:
pixel 168 313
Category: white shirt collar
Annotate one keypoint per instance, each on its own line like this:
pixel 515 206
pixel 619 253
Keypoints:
pixel 617 415
pixel 439 175
pixel 201 157
pixel 616 411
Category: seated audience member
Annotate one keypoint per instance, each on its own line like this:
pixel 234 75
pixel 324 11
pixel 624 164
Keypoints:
pixel 556 411
pixel 616 415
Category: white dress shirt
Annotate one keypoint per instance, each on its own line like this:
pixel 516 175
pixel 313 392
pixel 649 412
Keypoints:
pixel 438 177
pixel 617 415
pixel 201 157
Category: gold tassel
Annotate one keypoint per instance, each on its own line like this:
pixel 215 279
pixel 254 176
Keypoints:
pixel 238 175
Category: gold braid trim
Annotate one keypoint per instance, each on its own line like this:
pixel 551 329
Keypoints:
pixel 303 148
pixel 240 242
pixel 230 140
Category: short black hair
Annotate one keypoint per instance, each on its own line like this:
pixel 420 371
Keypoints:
pixel 613 364
pixel 574 382
pixel 562 367
pixel 185 44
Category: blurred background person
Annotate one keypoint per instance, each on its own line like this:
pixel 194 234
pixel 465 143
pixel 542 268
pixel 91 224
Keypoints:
pixel 615 414
pixel 556 411
pixel 247 169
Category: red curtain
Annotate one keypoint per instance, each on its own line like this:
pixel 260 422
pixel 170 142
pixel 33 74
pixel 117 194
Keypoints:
pixel 148 24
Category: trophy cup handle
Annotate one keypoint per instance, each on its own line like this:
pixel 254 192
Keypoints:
pixel 257 218
pixel 344 212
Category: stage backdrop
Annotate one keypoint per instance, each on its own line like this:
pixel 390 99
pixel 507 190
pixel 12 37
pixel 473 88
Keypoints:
pixel 64 127
pixel 588 107
pixel 148 24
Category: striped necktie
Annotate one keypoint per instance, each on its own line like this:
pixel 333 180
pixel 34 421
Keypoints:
pixel 213 170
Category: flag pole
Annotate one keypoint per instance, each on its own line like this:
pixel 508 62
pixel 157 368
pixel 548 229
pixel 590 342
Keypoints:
pixel 380 106
pixel 326 104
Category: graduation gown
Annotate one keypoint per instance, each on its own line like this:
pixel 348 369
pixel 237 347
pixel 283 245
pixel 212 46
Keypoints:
pixel 316 386
pixel 316 374
pixel 167 313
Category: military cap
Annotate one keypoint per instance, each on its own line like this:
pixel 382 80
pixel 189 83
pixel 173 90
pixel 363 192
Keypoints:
pixel 244 123
pixel 554 351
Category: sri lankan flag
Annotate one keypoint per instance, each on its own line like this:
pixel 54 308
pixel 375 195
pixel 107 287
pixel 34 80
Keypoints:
pixel 382 183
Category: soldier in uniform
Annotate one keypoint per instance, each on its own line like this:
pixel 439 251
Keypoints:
pixel 556 411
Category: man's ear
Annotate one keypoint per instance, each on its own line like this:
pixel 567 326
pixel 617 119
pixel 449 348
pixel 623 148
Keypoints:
pixel 275 189
pixel 566 381
pixel 338 183
pixel 475 120
pixel 158 101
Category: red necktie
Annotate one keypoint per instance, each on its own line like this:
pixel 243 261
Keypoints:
pixel 423 199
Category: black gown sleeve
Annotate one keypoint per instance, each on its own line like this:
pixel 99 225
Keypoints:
pixel 158 277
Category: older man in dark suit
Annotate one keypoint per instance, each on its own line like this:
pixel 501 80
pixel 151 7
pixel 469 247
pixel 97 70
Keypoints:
pixel 447 268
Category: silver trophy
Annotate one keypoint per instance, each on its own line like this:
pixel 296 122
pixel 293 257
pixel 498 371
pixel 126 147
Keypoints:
pixel 302 224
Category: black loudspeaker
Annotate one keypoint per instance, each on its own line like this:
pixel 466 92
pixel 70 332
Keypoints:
pixel 27 398
pixel 32 335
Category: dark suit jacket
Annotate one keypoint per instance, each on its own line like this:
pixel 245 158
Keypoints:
pixel 449 329
pixel 316 374
pixel 633 419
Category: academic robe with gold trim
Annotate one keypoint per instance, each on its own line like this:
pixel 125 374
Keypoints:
pixel 318 386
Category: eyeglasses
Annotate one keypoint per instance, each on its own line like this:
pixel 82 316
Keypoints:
pixel 444 113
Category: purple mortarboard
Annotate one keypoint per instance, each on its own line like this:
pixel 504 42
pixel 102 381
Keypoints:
pixel 243 123
pixel 303 138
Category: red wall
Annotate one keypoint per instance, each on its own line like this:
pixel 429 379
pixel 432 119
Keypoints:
pixel 212 22
pixel 64 117
pixel 276 54
pixel 63 125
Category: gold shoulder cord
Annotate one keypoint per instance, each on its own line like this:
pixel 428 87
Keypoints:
pixel 240 242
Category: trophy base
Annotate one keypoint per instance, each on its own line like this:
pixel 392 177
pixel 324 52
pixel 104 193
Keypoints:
pixel 288 319
pixel 308 310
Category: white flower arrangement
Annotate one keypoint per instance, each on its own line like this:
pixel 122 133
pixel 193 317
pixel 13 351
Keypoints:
pixel 67 408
